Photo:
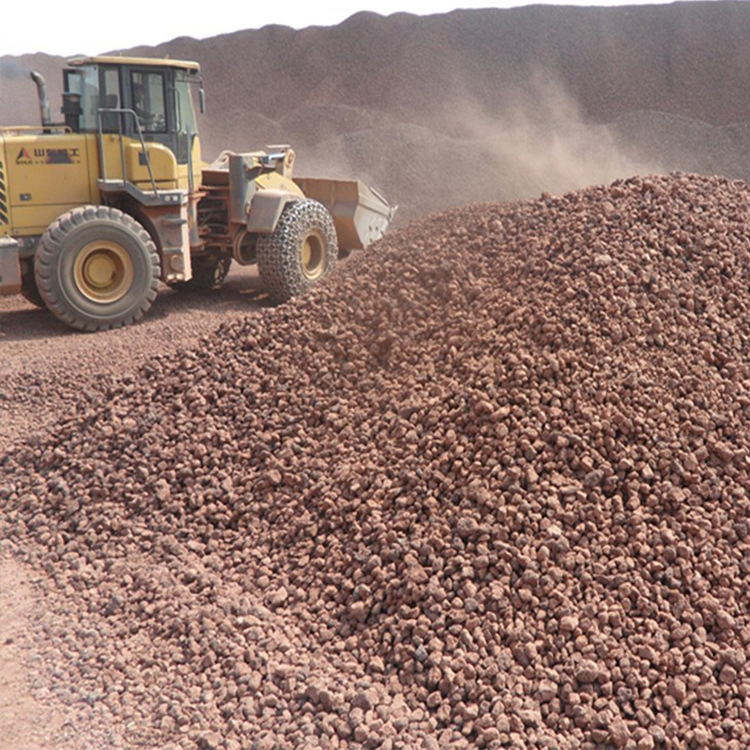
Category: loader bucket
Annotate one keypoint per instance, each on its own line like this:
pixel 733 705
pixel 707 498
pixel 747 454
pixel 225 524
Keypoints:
pixel 361 215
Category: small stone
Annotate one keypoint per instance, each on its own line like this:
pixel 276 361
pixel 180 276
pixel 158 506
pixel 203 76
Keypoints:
pixel 724 620
pixel 728 675
pixel 359 611
pixel 547 691
pixel 377 664
pixel 735 657
pixel 723 452
pixel 113 605
pixel 278 597
pixel 361 734
pixel 568 624
pixel 366 699
pixel 619 733
pixel 677 689
pixel 658 734
pixel 701 736
pixel 273 476
pixel 587 672
pixel 162 490
pixel 209 741
pixel 466 527
pixel 593 478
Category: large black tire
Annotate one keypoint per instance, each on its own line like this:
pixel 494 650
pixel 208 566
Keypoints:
pixel 97 268
pixel 29 289
pixel 299 253
pixel 209 272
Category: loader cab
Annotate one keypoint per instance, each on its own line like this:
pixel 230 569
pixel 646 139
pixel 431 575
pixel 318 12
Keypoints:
pixel 138 98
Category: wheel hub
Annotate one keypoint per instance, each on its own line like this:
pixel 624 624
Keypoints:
pixel 313 258
pixel 103 271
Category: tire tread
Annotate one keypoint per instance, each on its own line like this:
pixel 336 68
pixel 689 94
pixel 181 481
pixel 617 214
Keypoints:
pixel 278 253
pixel 50 247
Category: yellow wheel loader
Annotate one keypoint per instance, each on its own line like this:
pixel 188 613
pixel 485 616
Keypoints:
pixel 96 211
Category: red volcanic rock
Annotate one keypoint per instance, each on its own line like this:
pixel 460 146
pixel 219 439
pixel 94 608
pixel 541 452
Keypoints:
pixel 525 525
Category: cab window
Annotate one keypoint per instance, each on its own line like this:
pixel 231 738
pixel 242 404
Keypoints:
pixel 149 100
pixel 85 83
pixel 110 100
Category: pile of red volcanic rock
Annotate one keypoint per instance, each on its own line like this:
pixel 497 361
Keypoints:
pixel 488 487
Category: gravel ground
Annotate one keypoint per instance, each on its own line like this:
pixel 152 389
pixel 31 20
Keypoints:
pixel 486 488
pixel 44 370
pixel 45 365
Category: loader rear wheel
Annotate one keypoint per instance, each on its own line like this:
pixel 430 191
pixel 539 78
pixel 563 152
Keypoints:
pixel 209 272
pixel 96 268
pixel 299 253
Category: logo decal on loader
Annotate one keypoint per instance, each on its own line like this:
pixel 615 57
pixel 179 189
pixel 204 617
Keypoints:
pixel 49 156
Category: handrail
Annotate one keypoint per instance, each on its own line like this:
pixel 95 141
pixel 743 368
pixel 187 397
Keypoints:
pixel 119 112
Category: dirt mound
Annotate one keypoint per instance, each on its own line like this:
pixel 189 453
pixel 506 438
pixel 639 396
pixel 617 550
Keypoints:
pixel 487 486
pixel 539 82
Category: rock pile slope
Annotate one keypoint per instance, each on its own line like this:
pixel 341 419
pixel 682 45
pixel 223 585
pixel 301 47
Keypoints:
pixel 487 487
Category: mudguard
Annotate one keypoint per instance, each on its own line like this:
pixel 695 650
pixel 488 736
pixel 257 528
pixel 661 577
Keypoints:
pixel 10 266
pixel 266 208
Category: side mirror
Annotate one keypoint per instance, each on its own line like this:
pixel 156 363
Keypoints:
pixel 202 100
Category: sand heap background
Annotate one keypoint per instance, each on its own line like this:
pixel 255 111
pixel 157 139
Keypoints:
pixel 473 105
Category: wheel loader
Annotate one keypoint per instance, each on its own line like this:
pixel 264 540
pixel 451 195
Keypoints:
pixel 98 210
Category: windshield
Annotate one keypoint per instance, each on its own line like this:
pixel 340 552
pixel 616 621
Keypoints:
pixel 186 122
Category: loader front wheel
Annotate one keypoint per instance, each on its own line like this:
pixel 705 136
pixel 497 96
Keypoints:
pixel 300 252
pixel 96 268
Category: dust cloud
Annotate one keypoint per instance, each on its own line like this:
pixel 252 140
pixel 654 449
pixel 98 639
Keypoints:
pixel 464 153
pixel 542 143
pixel 12 70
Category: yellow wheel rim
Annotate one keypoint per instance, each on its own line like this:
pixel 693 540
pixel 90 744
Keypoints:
pixel 313 256
pixel 103 271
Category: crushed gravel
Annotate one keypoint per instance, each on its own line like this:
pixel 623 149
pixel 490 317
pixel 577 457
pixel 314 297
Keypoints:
pixel 485 487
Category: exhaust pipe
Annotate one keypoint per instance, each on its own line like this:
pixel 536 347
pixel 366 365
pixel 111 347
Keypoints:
pixel 41 86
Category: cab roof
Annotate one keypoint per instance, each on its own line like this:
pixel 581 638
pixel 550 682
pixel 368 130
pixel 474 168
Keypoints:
pixel 164 62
